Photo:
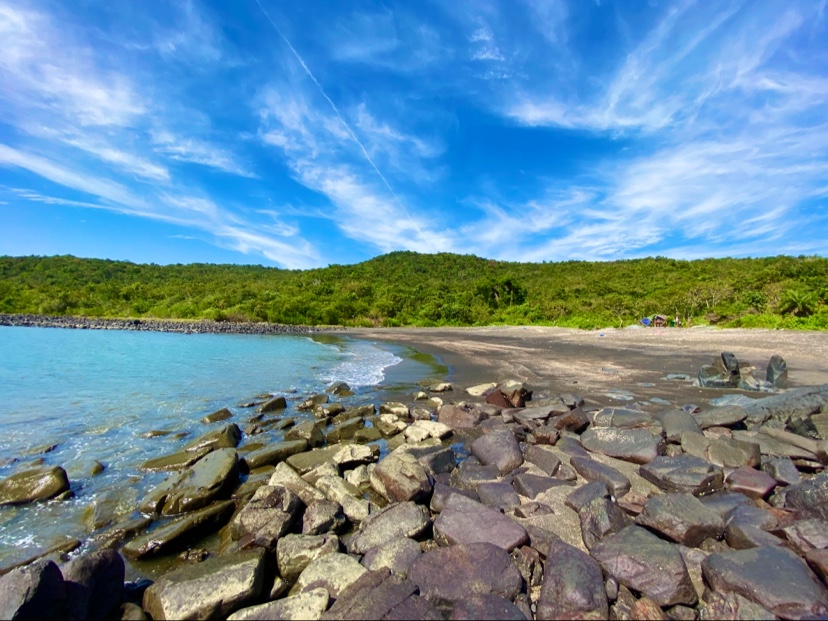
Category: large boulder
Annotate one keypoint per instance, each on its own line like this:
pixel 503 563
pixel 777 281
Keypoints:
pixel 31 485
pixel 642 562
pixel 210 478
pixel 573 585
pixel 682 518
pixel 773 577
pixel 94 584
pixel 636 445
pixel 35 591
pixel 268 516
pixel 400 477
pixel 212 589
pixel 405 519
pixel 500 449
pixel 465 521
pixel 683 473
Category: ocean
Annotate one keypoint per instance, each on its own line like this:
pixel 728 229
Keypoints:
pixel 95 394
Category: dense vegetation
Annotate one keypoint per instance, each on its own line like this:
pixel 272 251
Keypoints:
pixel 405 288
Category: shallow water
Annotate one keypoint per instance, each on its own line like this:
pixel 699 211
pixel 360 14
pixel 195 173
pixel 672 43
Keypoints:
pixel 95 394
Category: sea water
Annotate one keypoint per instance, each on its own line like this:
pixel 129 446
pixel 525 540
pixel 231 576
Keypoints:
pixel 94 395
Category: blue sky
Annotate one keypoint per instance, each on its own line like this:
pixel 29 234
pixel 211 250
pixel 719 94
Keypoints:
pixel 304 134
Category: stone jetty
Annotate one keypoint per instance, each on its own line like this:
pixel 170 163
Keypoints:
pixel 487 502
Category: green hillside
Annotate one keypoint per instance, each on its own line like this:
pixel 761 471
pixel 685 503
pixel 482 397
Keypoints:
pixel 406 288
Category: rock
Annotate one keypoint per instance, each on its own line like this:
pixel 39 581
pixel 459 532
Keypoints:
pixel 486 606
pixel 267 517
pixel 723 451
pixel 307 606
pixel 599 518
pixel 397 555
pixel 344 431
pixel 334 572
pixel 682 518
pixel 674 422
pixel 621 418
pixel 809 498
pixel 743 537
pixel 440 462
pixel 338 388
pixel 404 519
pixel 273 405
pixel 30 485
pixel 464 521
pixel 210 478
pixel 592 470
pixel 498 495
pixel 636 445
pixel 381 595
pixel 228 436
pixel 353 455
pixel 440 387
pixel 544 459
pixel 531 485
pixel 367 434
pixel 777 372
pixel 468 475
pixel 171 535
pixel 430 428
pixel 210 590
pixel 174 461
pixel 499 449
pixel 355 507
pixel 749 514
pixel 311 431
pixel 400 477
pixel 772 577
pixel 447 575
pixel 573 585
pixel 818 561
pixel 585 494
pixel 94 584
pixel 782 469
pixel 218 415
pixel 683 473
pixel 458 417
pixel 724 416
pixel 750 482
pixel 328 410
pixel 322 516
pixel 644 563
pixel 35 591
pixel 307 461
pixel 131 612
pixel 313 400
pixel 807 535
pixel 733 606
pixel 275 453
pixel 295 552
pixel 400 410
pixel 442 493
pixel 287 477
pixel 480 389
pixel 711 376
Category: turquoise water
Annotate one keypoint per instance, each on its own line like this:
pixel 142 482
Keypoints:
pixel 94 393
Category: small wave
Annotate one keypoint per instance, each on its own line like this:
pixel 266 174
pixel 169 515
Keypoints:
pixel 364 364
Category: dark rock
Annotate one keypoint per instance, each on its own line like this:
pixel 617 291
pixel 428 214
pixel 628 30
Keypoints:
pixel 572 447
pixel 322 516
pixel 442 493
pixel 499 449
pixel 174 461
pixel 31 485
pixel 647 609
pixel 683 473
pixel 751 515
pixel 36 591
pixel 724 416
pixel 464 521
pixel 599 518
pixel 328 410
pixel 94 583
pixel 295 552
pixel 311 432
pixel 218 415
pixel 643 562
pixel 312 401
pixel 593 471
pixel 338 388
pixel 724 502
pixel 499 495
pixel 585 494
pixel 573 585
pixel 404 519
pixel 575 420
pixel 782 469
pixel 131 612
pixel 674 422
pixel 267 517
pixel 469 474
pixel 809 498
pixel 447 575
pixel 400 477
pixel 344 431
pixel 228 436
pixel 380 595
pixel 751 482
pixel 777 372
pixel 818 561
pixel 486 606
pixel 682 518
pixel 733 606
pixel 772 577
pixel 743 537
pixel 636 445
pixel 274 453
pixel 396 555
pixel 530 485
pixel 807 535
pixel 209 590
pixel 458 417
pixel 273 405
pixel 710 376
pixel 544 459
pixel 438 462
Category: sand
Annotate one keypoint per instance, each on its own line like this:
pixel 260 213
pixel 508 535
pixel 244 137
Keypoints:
pixel 611 366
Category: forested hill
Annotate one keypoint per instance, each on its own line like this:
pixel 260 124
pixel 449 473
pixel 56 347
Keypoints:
pixel 406 288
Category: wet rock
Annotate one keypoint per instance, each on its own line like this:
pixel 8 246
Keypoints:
pixel 311 431
pixel 174 461
pixel 585 494
pixel 313 400
pixel 328 410
pixel 544 459
pixel 486 607
pixel 573 585
pixel 171 535
pixel 750 482
pixel 636 445
pixel 458 417
pixel 218 415
pixel 307 606
pixel 397 555
pixel 682 518
pixel 400 477
pixel 36 591
pixel 273 405
pixel 683 473
pixel 674 422
pixel 381 595
pixel 782 469
pixel 228 436
pixel 499 449
pixel 809 498
pixel 599 518
pixel 772 577
pixel 592 471
pixel 267 517
pixel 498 495
pixel 94 584
pixel 404 519
pixel 733 606
pixel 334 572
pixel 31 485
pixel 531 485
pixel 344 431
pixel 464 521
pixel 275 453
pixel 447 575
pixel 322 516
pixel 295 552
pixel 643 562
pixel 209 590
pixel 288 478
pixel 339 389
pixel 210 478
pixel 777 372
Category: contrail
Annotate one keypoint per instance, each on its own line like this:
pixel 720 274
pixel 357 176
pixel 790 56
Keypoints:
pixel 339 116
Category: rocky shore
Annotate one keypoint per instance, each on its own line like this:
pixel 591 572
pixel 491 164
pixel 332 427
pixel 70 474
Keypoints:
pixel 155 325
pixel 491 501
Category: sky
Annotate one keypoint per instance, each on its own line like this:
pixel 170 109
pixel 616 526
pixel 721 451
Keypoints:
pixel 299 135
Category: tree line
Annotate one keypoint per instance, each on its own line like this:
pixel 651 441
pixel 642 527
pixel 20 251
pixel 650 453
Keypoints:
pixel 411 289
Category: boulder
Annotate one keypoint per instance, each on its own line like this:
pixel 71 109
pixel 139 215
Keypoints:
pixel 274 453
pixel 36 484
pixel 465 521
pixel 353 455
pixel 682 518
pixel 35 591
pixel 487 606
pixel 674 422
pixel 228 436
pixel 621 418
pixel 397 555
pixel 809 498
pixel 339 388
pixel 531 485
pixel 733 606
pixel 381 595
pixel 311 431
pixel 458 417
pixel 307 606
pixel 211 478
pixel 354 506
pixel 287 477
pixel 723 416
pixel 328 410
pixel 334 572
pixel 218 415
pixel 636 445
pixel 593 470
pixel 322 516
pixel 307 461
pixel 273 405
pixel 94 584
pixel 469 474
pixel 344 431
pixel 447 575
pixel 772 577
pixel 642 562
pixel 500 449
pixel 430 428
pixel 585 494
pixel 573 585
pixel 599 518
pixel 267 517
pixel 313 400
pixel 295 552
pixel 807 535
pixel 751 482
pixel 212 589
pixel 404 519
pixel 683 473
pixel 782 469
pixel 174 461
pixel 480 389
pixel 171 535
pixel 777 372
pixel 544 459
pixel 498 495
pixel 400 477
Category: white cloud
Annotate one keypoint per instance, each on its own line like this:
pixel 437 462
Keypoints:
pixel 196 151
